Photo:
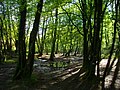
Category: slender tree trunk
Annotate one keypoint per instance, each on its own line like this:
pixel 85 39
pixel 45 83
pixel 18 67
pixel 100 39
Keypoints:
pixel 85 30
pixel 32 40
pixel 2 43
pixel 54 37
pixel 9 25
pixel 19 74
pixel 57 45
pixel 1 34
pixel 113 43
pixel 112 86
pixel 42 40
pixel 111 66
pixel 38 43
pixel 44 37
pixel 56 51
pixel 76 49
pixel 7 39
pixel 2 58
pixel 26 35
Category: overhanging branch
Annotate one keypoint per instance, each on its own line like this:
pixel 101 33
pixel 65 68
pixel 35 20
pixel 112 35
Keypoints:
pixel 72 21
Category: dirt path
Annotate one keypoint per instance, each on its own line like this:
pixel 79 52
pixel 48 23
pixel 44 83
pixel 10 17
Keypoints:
pixel 47 76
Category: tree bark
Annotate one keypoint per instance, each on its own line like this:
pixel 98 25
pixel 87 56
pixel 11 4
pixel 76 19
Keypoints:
pixel 54 37
pixel 43 38
pixel 85 30
pixel 32 40
pixel 113 43
pixel 21 40
pixel 95 55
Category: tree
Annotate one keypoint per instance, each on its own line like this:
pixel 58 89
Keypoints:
pixel 21 39
pixel 1 31
pixel 67 26
pixel 44 29
pixel 54 36
pixel 32 40
pixel 25 67
pixel 113 43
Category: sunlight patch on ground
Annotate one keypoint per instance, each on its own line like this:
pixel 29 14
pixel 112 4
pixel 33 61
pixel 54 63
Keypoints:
pixel 103 62
pixel 108 80
pixel 75 72
pixel 10 61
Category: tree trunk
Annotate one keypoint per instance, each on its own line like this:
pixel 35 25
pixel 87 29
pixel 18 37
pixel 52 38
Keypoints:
pixel 1 37
pixel 85 30
pixel 1 34
pixel 32 40
pixel 112 86
pixel 95 55
pixel 113 43
pixel 38 43
pixel 42 40
pixel 54 37
pixel 10 36
pixel 56 51
pixel 19 74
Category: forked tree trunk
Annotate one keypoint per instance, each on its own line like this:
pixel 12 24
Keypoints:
pixel 95 53
pixel 21 40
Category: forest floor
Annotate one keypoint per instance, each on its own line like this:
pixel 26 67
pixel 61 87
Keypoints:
pixel 48 75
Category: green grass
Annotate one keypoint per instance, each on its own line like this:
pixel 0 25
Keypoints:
pixel 58 64
pixel 10 61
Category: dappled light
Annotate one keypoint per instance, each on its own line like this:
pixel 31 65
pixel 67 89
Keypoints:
pixel 59 44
